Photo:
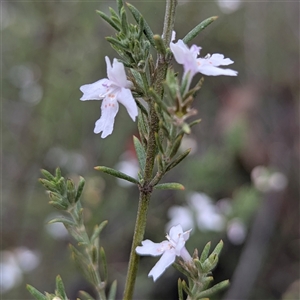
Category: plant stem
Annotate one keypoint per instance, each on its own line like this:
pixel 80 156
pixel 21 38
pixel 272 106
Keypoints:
pixel 146 188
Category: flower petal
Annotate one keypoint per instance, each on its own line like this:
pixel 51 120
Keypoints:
pixel 218 59
pixel 165 261
pixel 93 91
pixel 153 249
pixel 211 70
pixel 125 97
pixel 116 73
pixel 109 109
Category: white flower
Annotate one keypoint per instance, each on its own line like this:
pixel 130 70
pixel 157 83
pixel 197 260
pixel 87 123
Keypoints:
pixel 188 57
pixel 169 249
pixel 114 89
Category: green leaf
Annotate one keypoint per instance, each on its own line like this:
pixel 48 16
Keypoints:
pixel 113 291
pixel 47 175
pixel 177 160
pixel 97 230
pixel 140 152
pixel 62 220
pixel 169 186
pixel 218 248
pixel 58 205
pixel 35 293
pixel 71 192
pixel 50 186
pixel 85 296
pixel 158 143
pixel 60 288
pixel 120 5
pixel 108 20
pixel 175 146
pixel 116 173
pixel 180 290
pixel 205 252
pixel 124 21
pixel 117 43
pixel 216 288
pixel 194 32
pixel 80 188
pixel 147 30
pixel 104 262
pixel 162 105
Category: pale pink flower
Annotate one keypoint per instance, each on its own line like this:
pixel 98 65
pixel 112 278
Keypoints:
pixel 114 89
pixel 169 249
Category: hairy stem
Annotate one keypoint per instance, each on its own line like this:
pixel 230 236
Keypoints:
pixel 146 188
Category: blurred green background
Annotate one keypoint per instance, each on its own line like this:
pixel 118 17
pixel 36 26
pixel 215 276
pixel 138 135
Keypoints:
pixel 49 49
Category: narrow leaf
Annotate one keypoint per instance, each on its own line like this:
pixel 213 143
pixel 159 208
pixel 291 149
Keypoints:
pixel 169 186
pixel 47 175
pixel 158 143
pixel 104 262
pixel 35 293
pixel 116 173
pixel 194 32
pixel 113 291
pixel 85 296
pixel 216 288
pixel 60 288
pixel 107 19
pixel 140 152
pixel 124 21
pixel 180 290
pixel 147 30
pixel 120 5
pixel 178 160
pixel 205 252
pixel 175 146
pixel 62 220
pixel 117 43
pixel 218 248
pixel 97 230
pixel 80 188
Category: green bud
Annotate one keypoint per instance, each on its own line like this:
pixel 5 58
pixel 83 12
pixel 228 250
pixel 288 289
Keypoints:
pixel 159 44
